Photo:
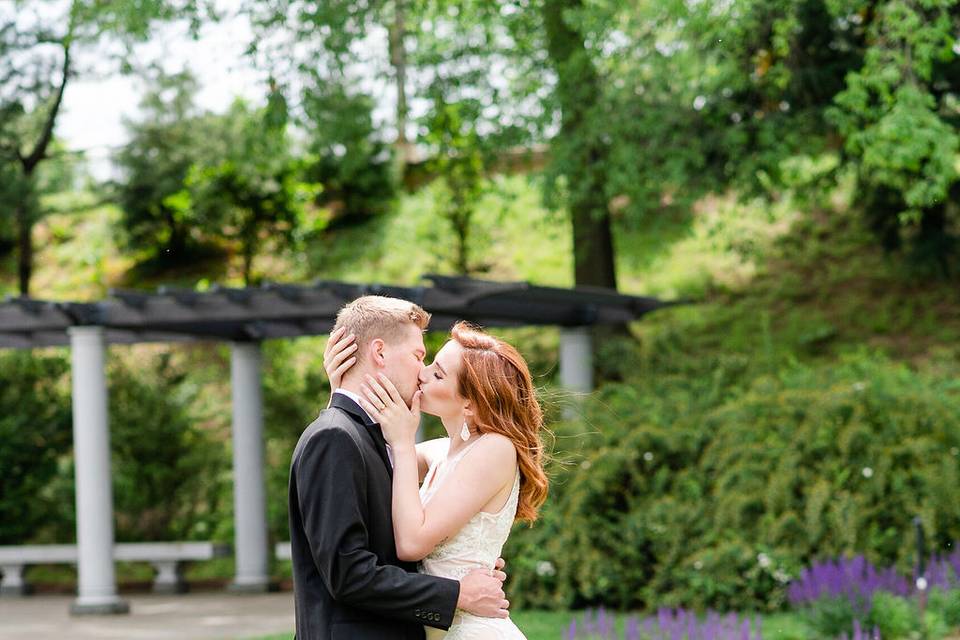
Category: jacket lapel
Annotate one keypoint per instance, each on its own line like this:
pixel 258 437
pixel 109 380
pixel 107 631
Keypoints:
pixel 367 427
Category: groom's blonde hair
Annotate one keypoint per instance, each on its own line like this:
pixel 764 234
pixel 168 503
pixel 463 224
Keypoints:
pixel 371 317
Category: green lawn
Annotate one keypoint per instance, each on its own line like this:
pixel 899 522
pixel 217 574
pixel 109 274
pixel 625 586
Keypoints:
pixel 550 625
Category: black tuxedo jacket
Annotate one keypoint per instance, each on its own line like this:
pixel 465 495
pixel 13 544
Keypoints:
pixel 347 580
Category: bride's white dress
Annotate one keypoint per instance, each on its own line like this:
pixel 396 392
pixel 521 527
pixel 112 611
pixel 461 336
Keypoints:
pixel 477 545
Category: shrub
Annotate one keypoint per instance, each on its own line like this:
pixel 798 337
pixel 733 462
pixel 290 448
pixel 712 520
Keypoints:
pixel 895 616
pixel 946 602
pixel 712 490
pixel 168 471
pixel 35 435
pixel 293 394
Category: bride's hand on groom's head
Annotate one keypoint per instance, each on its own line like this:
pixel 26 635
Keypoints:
pixel 339 356
pixel 385 405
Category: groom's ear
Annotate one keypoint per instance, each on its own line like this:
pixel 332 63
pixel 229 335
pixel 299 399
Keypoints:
pixel 376 352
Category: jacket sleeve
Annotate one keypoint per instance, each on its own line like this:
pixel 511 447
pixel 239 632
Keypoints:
pixel 331 489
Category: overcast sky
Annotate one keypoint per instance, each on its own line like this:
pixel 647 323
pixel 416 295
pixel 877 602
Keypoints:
pixel 95 106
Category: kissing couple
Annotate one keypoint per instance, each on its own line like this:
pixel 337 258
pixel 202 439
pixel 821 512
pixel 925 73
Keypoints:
pixel 391 539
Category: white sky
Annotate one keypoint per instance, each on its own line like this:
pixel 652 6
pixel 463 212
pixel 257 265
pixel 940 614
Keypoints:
pixel 96 104
pixel 94 107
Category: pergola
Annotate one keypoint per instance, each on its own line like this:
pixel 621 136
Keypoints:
pixel 245 318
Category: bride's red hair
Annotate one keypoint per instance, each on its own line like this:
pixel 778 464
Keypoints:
pixel 495 378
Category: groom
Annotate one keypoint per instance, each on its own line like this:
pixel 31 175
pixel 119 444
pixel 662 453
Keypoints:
pixel 348 582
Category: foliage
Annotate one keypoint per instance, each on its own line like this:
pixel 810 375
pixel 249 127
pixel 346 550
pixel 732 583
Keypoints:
pixel 350 158
pixel 251 188
pixel 295 389
pixel 163 145
pixel 854 579
pixel 894 115
pixel 35 434
pixel 317 47
pixel 835 594
pixel 37 52
pixel 167 471
pixel 713 489
pixel 459 159
pixel 947 603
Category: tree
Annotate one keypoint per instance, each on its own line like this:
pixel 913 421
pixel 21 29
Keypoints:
pixel 872 84
pixel 581 154
pixel 351 159
pixel 330 34
pixel 249 187
pixel 319 48
pixel 899 122
pixel 163 145
pixel 36 64
pixel 458 157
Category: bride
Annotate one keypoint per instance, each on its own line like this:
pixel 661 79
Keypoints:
pixel 455 499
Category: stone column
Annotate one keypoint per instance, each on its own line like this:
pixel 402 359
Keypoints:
pixel 249 487
pixel 576 363
pixel 97 588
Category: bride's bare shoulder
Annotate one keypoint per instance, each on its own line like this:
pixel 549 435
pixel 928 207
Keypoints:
pixel 497 447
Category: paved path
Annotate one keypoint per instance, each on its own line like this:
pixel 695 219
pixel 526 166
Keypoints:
pixel 190 616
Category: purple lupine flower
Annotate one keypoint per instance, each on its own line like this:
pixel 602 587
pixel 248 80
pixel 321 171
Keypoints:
pixel 855 579
pixel 588 626
pixel 681 624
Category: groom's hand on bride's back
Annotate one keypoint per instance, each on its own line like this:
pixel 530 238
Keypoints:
pixel 481 593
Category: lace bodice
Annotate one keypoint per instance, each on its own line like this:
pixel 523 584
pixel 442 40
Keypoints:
pixel 476 546
pixel 479 543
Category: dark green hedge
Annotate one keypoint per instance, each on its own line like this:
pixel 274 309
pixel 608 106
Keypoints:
pixel 35 433
pixel 714 490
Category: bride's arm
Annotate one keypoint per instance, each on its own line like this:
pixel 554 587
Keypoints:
pixel 427 452
pixel 482 473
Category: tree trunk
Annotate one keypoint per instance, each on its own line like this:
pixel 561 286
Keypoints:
pixel 24 247
pixel 176 243
pixel 585 153
pixel 461 228
pixel 398 59
pixel 29 163
pixel 248 250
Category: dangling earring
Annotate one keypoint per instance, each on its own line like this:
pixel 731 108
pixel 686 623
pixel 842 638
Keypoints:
pixel 465 432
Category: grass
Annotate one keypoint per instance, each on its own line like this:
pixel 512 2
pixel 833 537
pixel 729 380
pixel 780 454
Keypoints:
pixel 550 625
pixel 78 255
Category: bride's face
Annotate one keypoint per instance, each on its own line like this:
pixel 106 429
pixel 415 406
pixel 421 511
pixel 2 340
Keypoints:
pixel 438 381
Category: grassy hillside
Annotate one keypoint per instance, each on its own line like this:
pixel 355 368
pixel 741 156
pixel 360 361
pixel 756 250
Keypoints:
pixel 766 276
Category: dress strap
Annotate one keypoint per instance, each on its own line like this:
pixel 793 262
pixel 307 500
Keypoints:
pixel 460 454
pixel 441 468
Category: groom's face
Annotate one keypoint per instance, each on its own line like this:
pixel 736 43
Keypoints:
pixel 403 360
